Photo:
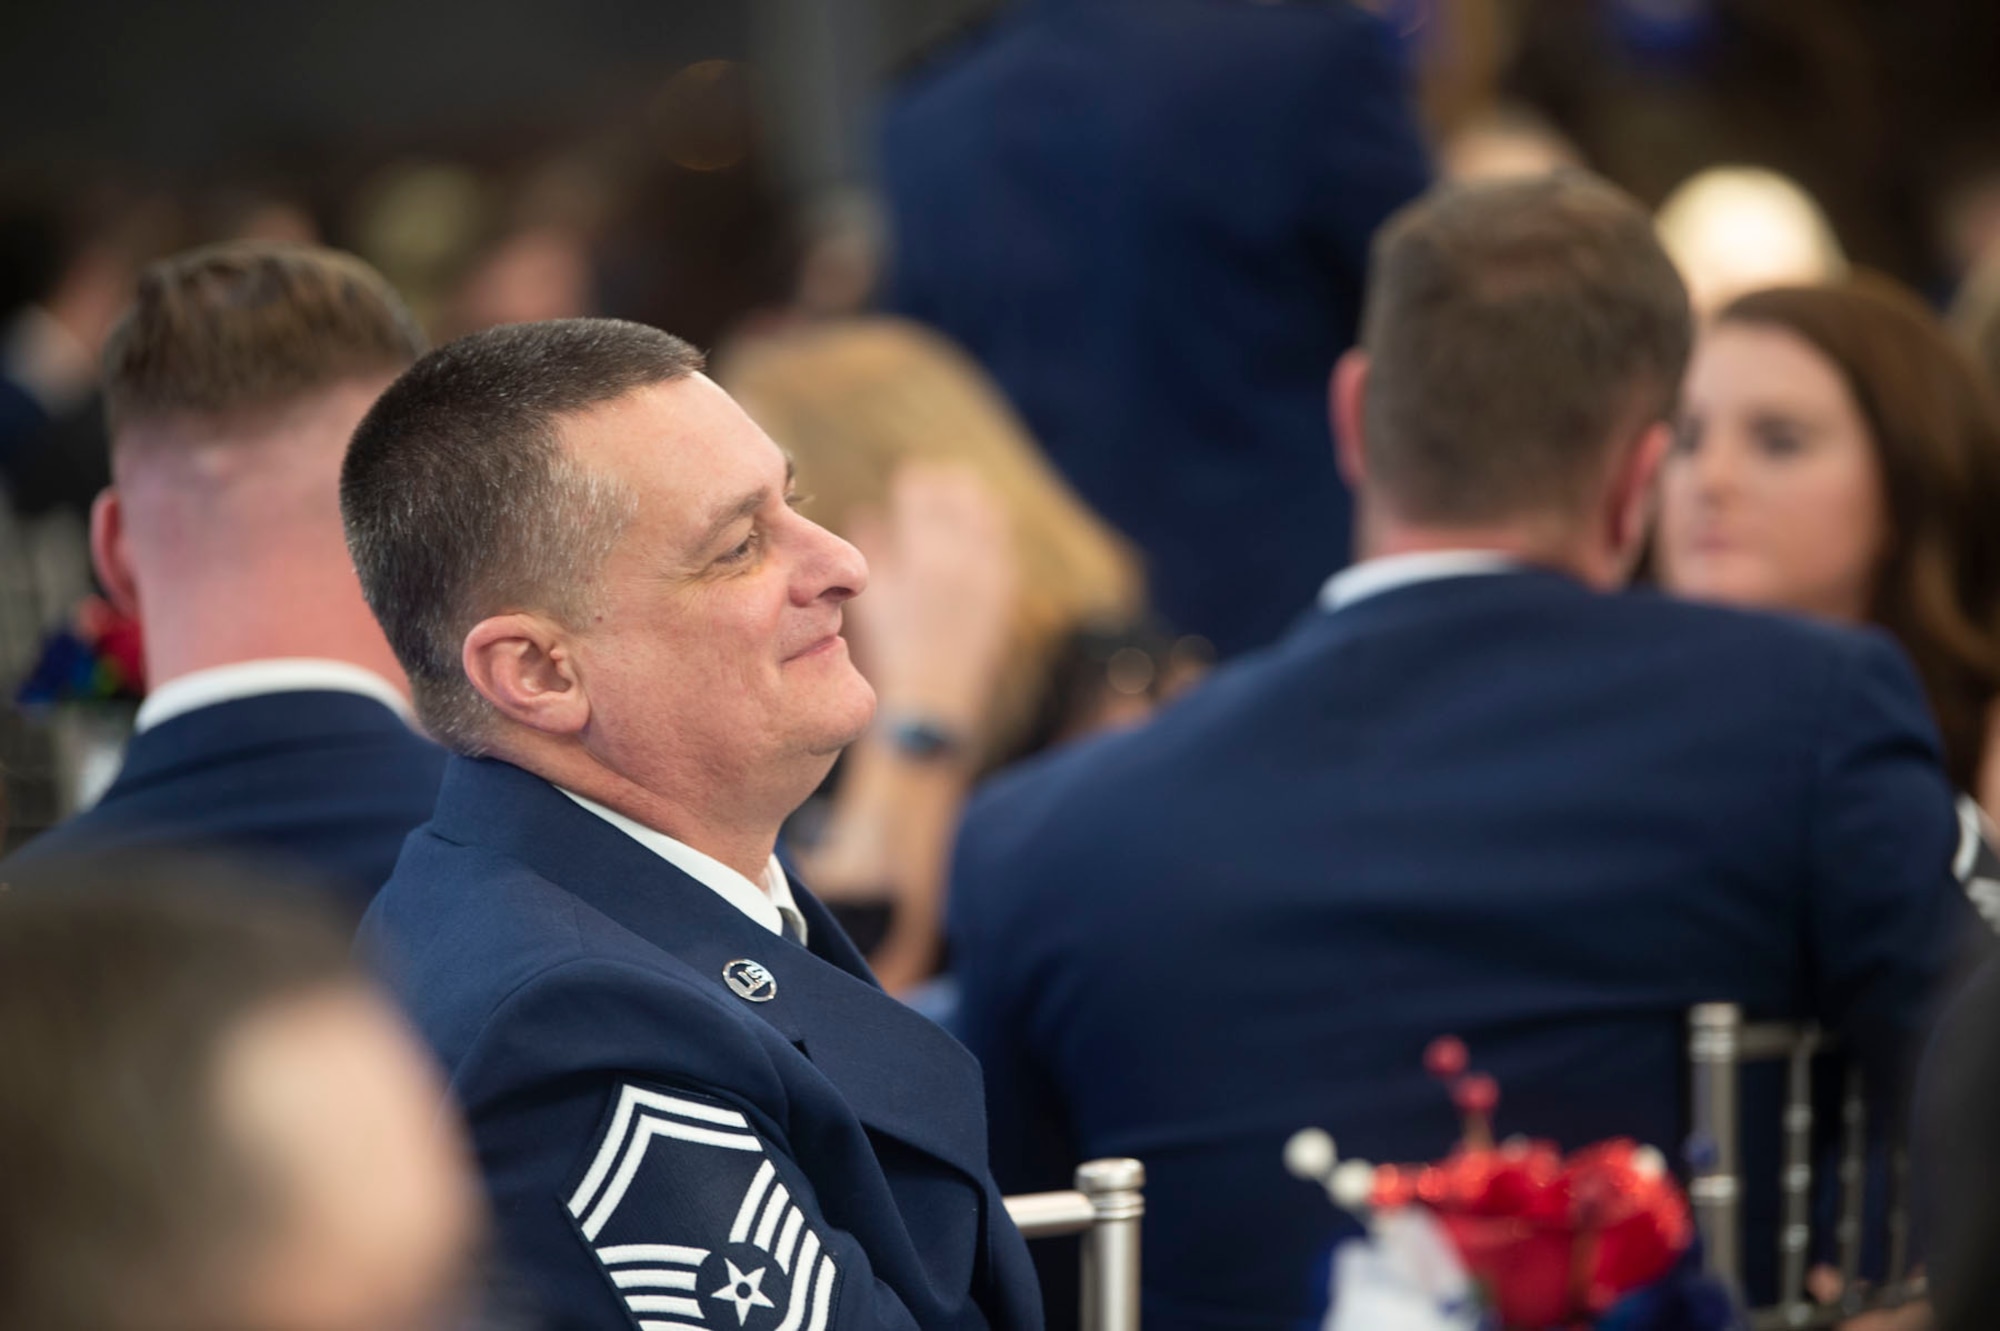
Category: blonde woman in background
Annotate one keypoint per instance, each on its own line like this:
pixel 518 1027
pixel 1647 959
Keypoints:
pixel 984 566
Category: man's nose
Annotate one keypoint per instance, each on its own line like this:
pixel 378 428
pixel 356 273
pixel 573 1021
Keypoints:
pixel 834 570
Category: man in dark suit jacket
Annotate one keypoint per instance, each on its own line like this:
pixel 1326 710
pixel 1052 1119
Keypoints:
pixel 278 726
pixel 693 1106
pixel 1149 220
pixel 1477 793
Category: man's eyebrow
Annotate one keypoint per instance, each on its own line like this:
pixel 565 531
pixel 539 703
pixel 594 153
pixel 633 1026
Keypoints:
pixel 743 508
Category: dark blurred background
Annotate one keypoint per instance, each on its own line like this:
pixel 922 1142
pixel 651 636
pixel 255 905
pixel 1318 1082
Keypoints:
pixel 1886 112
pixel 712 166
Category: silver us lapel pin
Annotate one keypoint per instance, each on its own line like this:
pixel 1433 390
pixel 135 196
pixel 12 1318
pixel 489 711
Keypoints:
pixel 749 980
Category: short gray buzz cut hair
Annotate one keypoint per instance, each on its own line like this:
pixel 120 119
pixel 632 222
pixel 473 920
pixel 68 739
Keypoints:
pixel 460 502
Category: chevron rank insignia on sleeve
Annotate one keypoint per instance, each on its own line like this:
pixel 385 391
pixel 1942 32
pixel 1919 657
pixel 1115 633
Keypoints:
pixel 684 1211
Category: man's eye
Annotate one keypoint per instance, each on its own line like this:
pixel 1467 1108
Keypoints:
pixel 742 551
pixel 793 499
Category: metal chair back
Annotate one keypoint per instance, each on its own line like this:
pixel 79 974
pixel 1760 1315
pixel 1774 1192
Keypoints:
pixel 1105 1208
pixel 1720 1045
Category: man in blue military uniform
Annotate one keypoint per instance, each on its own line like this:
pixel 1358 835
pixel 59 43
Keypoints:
pixel 693 1106
pixel 1149 220
pixel 1479 793
pixel 278 725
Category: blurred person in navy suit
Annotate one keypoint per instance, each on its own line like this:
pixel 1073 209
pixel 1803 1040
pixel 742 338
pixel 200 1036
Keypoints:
pixel 1149 220
pixel 70 253
pixel 278 725
pixel 1479 792
pixel 54 313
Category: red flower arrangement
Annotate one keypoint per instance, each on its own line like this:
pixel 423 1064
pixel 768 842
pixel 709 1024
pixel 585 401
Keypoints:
pixel 1552 1241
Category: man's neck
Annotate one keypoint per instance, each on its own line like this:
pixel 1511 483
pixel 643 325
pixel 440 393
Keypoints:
pixel 1550 545
pixel 261 610
pixel 741 833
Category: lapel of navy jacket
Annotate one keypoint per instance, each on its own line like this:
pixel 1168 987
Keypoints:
pixel 573 983
pixel 321 783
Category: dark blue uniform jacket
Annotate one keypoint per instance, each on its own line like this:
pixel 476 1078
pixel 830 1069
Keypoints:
pixel 1149 220
pixel 661 1149
pixel 319 783
pixel 1503 807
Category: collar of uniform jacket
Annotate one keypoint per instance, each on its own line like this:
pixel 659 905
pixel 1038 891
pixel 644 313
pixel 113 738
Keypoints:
pixel 826 1002
pixel 769 902
pixel 1386 573
pixel 255 679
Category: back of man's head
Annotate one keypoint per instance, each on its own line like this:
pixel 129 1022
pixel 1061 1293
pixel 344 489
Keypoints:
pixel 1517 333
pixel 208 1118
pixel 460 502
pixel 232 384
pixel 249 326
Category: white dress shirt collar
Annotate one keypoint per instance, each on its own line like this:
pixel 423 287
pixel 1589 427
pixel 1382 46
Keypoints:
pixel 1372 577
pixel 250 679
pixel 769 904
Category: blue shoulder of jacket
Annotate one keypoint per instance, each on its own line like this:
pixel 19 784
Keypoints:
pixel 460 930
pixel 1735 623
pixel 1734 645
pixel 522 988
pixel 579 1018
pixel 1776 643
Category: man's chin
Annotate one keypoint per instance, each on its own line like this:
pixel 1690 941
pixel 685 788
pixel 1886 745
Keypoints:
pixel 849 719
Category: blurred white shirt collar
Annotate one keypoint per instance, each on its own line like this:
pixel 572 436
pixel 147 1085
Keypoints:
pixel 1372 577
pixel 769 904
pixel 250 679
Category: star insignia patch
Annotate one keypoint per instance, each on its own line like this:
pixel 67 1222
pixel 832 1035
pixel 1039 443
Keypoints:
pixel 745 1291
pixel 684 1211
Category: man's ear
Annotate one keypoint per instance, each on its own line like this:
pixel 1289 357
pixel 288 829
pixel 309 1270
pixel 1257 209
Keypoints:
pixel 111 555
pixel 1632 493
pixel 1347 392
pixel 522 664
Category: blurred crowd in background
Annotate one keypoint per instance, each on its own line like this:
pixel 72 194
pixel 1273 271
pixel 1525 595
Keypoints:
pixel 726 174
pixel 1072 513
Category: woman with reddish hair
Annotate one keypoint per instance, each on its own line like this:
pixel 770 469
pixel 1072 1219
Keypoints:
pixel 1838 456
